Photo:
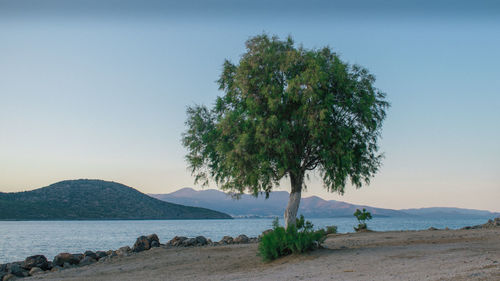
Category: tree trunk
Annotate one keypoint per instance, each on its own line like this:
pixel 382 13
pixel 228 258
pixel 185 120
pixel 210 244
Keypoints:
pixel 293 201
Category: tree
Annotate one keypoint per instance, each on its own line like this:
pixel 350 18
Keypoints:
pixel 287 111
pixel 362 217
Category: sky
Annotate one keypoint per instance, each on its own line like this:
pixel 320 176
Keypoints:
pixel 99 89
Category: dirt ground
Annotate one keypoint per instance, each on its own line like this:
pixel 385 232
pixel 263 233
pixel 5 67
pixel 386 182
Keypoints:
pixel 410 255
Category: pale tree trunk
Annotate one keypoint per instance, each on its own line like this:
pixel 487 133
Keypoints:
pixel 294 200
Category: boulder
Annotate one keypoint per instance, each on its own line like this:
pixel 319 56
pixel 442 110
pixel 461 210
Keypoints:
pixel 39 261
pixel 9 276
pixel 62 258
pixel 87 260
pixel 226 240
pixel 241 239
pixel 124 251
pixel 35 270
pixel 189 242
pixel 16 269
pixel 79 256
pixel 56 268
pixel 176 241
pixel 432 228
pixel 141 244
pixel 155 244
pixel 145 243
pixel 264 233
pixel 100 254
pixel 89 254
pixel 201 241
pixel 153 237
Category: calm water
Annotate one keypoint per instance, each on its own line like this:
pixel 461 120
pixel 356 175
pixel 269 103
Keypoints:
pixel 19 239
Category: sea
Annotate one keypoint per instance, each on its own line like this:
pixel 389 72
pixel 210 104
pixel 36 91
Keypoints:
pixel 20 239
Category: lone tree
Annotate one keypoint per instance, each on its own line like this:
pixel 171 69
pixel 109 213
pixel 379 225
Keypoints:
pixel 287 111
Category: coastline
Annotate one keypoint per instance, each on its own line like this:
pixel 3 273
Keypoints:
pixel 466 254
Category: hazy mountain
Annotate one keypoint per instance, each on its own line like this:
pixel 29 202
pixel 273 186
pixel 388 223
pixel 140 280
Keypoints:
pixel 309 206
pixel 93 199
pixel 275 205
pixel 445 212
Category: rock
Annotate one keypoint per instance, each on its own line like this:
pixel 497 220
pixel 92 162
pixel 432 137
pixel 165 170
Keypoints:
pixel 62 258
pixel 67 265
pixel 264 233
pixel 56 268
pixel 241 239
pixel 189 242
pixel 145 243
pixel 100 254
pixel 79 256
pixel 491 223
pixel 39 261
pixel 201 241
pixel 16 269
pixel 87 260
pixel 153 237
pixel 90 254
pixel 35 270
pixel 9 276
pixel 226 240
pixel 141 244
pixel 3 268
pixel 155 244
pixel 432 228
pixel 124 251
pixel 176 241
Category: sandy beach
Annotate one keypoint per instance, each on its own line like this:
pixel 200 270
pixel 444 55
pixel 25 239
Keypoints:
pixel 407 255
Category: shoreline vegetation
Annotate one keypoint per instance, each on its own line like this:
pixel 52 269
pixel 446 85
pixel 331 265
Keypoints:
pixel 144 250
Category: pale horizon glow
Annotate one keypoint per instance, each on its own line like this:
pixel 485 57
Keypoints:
pixel 90 91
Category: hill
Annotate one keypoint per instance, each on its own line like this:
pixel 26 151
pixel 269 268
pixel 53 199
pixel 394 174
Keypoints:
pixel 93 199
pixel 249 206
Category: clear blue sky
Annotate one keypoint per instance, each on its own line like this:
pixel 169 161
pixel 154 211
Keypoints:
pixel 98 89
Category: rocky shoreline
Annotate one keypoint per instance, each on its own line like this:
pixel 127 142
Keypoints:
pixel 39 264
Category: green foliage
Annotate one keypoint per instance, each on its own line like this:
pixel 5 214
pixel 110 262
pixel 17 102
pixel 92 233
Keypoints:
pixel 362 217
pixel 297 238
pixel 331 229
pixel 287 110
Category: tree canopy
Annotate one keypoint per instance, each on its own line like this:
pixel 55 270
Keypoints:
pixel 287 110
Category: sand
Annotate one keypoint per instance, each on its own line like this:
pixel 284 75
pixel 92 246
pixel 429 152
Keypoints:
pixel 409 255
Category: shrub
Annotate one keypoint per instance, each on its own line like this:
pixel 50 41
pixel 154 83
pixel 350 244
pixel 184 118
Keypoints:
pixel 331 229
pixel 362 217
pixel 297 238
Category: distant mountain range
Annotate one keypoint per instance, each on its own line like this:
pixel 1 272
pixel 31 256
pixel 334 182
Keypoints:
pixel 249 206
pixel 93 199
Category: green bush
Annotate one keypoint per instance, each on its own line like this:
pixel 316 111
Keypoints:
pixel 331 229
pixel 362 217
pixel 297 238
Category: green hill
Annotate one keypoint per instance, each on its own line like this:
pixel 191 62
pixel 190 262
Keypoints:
pixel 93 199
